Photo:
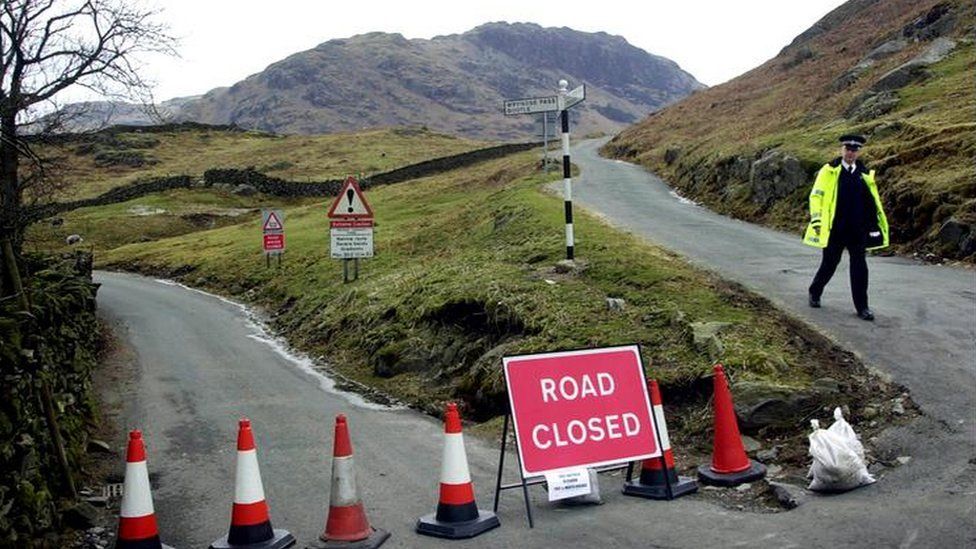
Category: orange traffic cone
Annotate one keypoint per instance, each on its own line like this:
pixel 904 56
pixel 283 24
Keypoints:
pixel 658 478
pixel 346 525
pixel 137 519
pixel 457 513
pixel 730 465
pixel 250 520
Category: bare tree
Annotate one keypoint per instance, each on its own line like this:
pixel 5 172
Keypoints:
pixel 46 47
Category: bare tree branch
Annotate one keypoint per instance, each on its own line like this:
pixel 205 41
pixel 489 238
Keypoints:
pixel 47 47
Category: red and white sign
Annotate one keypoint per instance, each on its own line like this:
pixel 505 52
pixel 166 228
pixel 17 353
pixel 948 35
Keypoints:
pixel 273 223
pixel 273 229
pixel 581 408
pixel 351 224
pixel 274 242
pixel 351 202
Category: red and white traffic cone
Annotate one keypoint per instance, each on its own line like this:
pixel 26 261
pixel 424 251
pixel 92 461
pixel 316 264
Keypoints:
pixel 730 465
pixel 137 518
pixel 457 513
pixel 346 524
pixel 250 520
pixel 658 478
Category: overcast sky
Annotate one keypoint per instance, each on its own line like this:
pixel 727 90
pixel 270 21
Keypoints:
pixel 224 41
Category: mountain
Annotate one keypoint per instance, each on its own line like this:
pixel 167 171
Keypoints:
pixel 898 71
pixel 453 84
pixel 94 115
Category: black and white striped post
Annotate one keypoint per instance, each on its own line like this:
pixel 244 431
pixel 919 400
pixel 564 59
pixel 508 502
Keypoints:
pixel 567 173
pixel 555 103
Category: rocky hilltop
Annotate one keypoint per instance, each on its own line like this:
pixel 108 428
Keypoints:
pixel 898 71
pixel 454 84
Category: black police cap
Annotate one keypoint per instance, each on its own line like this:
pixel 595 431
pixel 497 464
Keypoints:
pixel 852 140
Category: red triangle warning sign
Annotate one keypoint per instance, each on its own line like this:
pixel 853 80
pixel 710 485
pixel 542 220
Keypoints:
pixel 272 223
pixel 351 202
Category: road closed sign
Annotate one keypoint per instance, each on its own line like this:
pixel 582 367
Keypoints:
pixel 582 408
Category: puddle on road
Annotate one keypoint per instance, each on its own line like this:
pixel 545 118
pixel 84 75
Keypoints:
pixel 303 362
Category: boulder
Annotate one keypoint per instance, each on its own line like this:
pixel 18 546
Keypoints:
pixel 957 236
pixel 870 105
pixel 938 51
pixel 705 337
pixel 80 515
pixel 245 190
pixel 776 175
pixel 887 49
pixel 901 76
pixel 915 70
pixel 615 304
pixel 938 21
pixel 671 155
pixel 759 404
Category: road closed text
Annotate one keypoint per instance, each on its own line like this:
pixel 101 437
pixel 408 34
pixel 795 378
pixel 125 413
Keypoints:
pixel 580 408
pixel 579 431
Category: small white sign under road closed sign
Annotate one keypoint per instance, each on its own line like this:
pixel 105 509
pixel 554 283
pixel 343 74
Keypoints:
pixel 568 483
pixel 352 238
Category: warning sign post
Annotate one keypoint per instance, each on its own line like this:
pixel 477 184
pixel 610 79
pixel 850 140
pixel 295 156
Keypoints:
pixel 273 232
pixel 574 410
pixel 351 227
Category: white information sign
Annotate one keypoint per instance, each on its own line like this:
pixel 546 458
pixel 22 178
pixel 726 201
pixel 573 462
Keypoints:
pixel 531 105
pixel 573 96
pixel 351 238
pixel 567 483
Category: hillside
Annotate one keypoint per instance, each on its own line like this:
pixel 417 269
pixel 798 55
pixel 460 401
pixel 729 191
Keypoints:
pixel 454 84
pixel 898 71
pixel 466 271
pixel 91 164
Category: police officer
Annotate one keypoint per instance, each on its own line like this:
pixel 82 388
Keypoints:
pixel 846 212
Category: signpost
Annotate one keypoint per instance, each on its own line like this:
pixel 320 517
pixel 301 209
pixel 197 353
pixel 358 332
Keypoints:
pixel 351 227
pixel 273 230
pixel 575 410
pixel 562 103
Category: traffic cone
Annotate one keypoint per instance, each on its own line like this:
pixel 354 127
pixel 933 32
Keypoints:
pixel 730 465
pixel 457 513
pixel 658 478
pixel 346 524
pixel 137 519
pixel 250 521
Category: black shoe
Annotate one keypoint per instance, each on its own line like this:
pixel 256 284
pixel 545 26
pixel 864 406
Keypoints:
pixel 865 314
pixel 814 301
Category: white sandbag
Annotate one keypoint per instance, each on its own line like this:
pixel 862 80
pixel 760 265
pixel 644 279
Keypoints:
pixel 838 457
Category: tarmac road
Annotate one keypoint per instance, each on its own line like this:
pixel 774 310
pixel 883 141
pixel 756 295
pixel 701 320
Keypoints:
pixel 201 362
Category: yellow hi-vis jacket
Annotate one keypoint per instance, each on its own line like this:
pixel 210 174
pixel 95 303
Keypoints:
pixel 823 203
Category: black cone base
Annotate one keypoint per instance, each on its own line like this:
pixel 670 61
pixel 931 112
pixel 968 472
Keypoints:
pixel 280 540
pixel 428 525
pixel 372 542
pixel 684 486
pixel 755 471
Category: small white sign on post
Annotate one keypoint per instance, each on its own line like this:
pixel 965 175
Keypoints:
pixel 568 483
pixel 351 239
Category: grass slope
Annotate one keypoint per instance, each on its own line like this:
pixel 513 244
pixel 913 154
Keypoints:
pixel 104 160
pixel 923 146
pixel 193 151
pixel 464 273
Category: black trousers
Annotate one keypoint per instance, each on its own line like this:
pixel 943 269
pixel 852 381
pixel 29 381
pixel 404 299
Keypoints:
pixel 855 244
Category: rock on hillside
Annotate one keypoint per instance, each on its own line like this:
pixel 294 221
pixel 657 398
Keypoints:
pixel 454 84
pixel 898 71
